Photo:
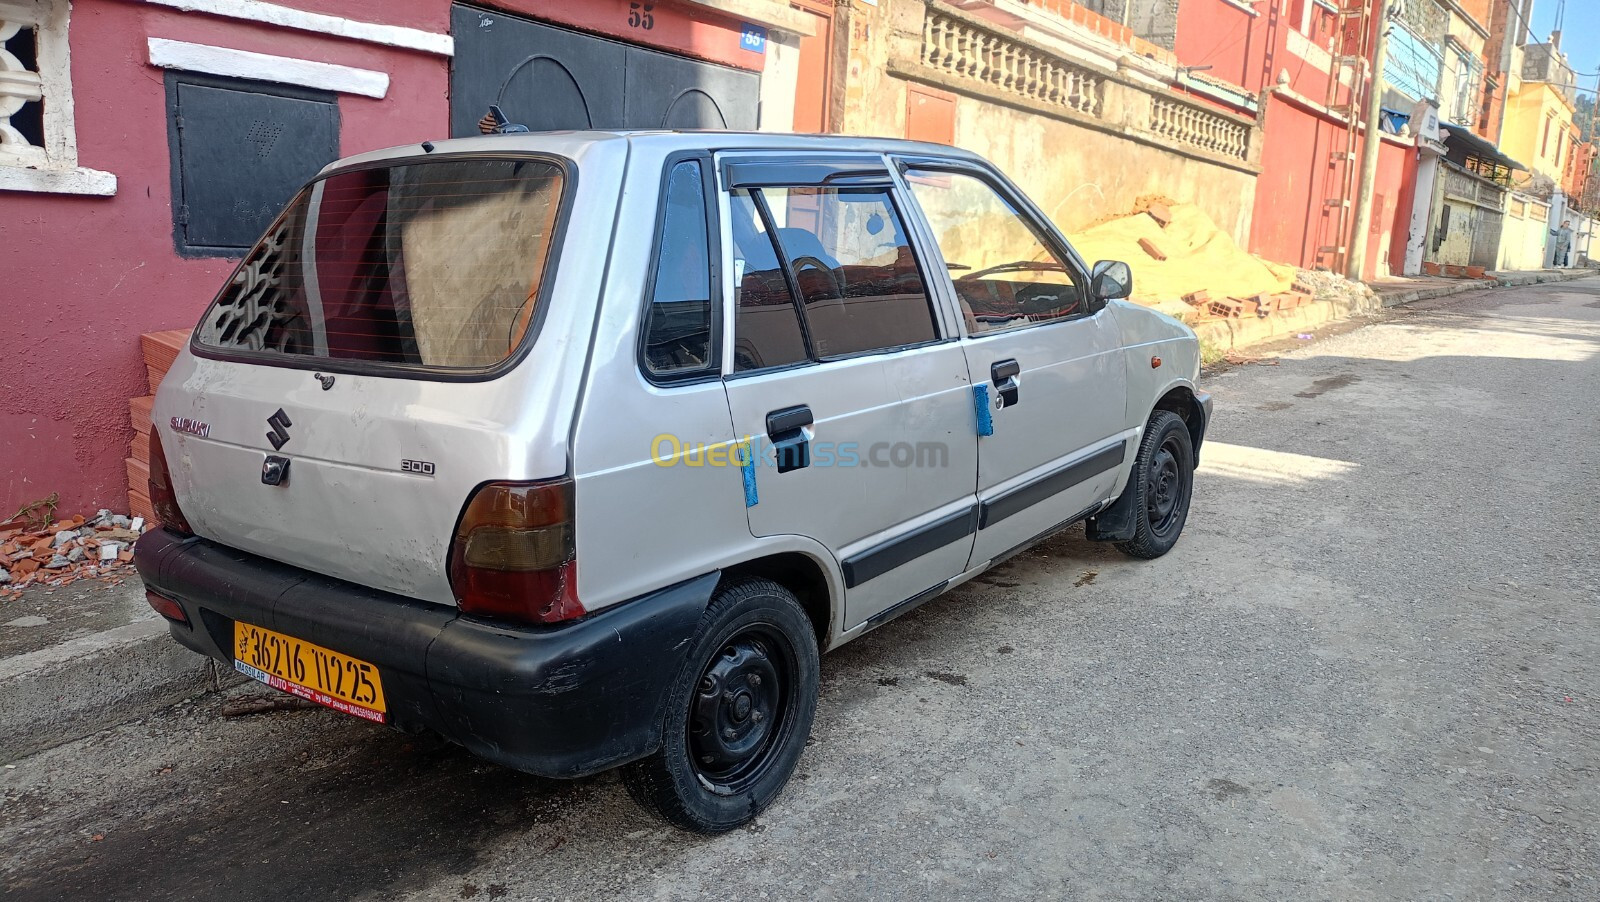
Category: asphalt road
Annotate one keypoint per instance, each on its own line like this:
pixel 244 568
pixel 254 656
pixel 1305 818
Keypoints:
pixel 1369 670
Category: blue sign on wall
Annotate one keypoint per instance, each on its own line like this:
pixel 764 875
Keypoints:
pixel 753 38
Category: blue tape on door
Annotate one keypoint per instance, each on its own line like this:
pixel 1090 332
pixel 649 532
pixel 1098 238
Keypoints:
pixel 980 405
pixel 747 469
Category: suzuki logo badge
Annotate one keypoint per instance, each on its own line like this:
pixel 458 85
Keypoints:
pixel 279 436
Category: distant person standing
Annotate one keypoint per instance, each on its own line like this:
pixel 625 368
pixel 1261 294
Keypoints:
pixel 1563 245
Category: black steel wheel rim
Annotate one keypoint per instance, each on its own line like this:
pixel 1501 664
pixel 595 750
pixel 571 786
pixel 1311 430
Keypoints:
pixel 739 715
pixel 1166 487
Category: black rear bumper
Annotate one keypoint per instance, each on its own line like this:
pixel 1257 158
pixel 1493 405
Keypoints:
pixel 558 701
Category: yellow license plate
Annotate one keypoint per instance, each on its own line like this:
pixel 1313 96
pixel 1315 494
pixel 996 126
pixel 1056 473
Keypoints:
pixel 310 671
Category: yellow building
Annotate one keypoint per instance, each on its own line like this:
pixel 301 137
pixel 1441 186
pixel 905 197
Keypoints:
pixel 1538 126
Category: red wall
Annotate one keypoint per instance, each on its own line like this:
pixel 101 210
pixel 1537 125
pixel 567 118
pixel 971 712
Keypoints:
pixel 1225 37
pixel 84 276
pixel 1391 224
pixel 1297 174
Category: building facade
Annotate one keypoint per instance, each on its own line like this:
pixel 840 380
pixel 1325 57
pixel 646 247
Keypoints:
pixel 144 144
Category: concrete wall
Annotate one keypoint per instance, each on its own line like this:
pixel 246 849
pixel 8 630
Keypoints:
pixel 1080 176
pixel 1522 240
pixel 1079 172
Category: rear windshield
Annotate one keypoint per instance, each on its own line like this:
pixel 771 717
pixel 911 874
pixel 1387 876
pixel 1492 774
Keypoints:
pixel 435 264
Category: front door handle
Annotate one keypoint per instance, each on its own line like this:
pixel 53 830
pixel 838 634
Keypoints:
pixel 786 429
pixel 1005 373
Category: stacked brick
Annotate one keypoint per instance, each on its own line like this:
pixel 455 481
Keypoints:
pixel 160 349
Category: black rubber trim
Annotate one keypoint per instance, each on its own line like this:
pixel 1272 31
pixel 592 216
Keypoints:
pixel 1203 399
pixel 904 607
pixel 805 170
pixel 881 558
pixel 558 701
pixel 712 370
pixel 1050 484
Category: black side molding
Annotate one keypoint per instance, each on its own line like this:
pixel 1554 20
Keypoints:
pixel 882 558
pixel 904 607
pixel 1030 493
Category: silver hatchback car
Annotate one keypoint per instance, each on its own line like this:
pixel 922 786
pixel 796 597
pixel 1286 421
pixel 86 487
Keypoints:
pixel 579 448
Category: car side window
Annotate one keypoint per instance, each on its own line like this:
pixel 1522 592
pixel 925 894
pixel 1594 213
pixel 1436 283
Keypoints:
pixel 859 281
pixel 678 326
pixel 767 330
pixel 847 253
pixel 1005 274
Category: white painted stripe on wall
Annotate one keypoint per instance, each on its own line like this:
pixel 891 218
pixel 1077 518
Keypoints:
pixel 289 17
pixel 265 67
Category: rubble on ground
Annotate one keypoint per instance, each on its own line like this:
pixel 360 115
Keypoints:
pixel 39 552
pixel 1188 268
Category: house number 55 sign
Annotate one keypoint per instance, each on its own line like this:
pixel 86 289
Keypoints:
pixel 753 38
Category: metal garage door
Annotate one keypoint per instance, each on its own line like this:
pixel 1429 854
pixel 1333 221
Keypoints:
pixel 549 78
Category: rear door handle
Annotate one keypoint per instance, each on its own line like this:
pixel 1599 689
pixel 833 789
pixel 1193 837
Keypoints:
pixel 1004 373
pixel 786 429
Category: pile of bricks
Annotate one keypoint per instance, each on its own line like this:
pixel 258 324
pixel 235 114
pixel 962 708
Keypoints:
pixel 160 349
pixel 66 551
pixel 1261 305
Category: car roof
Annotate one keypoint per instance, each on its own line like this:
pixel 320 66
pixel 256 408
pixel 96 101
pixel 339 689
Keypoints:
pixel 573 143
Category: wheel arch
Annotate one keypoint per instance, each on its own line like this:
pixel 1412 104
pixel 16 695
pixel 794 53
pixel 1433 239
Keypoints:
pixel 802 574
pixel 1181 400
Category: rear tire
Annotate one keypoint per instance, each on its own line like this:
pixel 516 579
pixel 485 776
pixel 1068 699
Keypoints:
pixel 1162 482
pixel 738 714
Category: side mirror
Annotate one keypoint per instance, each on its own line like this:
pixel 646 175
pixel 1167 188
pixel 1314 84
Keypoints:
pixel 1112 280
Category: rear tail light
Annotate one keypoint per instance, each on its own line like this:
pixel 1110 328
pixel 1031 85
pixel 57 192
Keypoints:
pixel 162 498
pixel 166 607
pixel 512 556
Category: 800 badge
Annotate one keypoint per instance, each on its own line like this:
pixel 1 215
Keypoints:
pixel 418 467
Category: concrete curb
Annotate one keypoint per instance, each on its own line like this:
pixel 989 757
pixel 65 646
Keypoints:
pixel 1499 280
pixel 1217 337
pixel 86 684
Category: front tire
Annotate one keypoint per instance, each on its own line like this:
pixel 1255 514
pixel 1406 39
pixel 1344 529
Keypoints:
pixel 738 714
pixel 1162 483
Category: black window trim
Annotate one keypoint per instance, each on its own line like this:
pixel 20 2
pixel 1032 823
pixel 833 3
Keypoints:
pixel 804 170
pixel 797 298
pixel 713 371
pixel 1032 217
pixel 176 77
pixel 569 187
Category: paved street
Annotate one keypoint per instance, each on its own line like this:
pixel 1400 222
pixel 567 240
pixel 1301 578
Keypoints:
pixel 1371 669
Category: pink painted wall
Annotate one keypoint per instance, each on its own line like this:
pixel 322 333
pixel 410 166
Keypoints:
pixel 85 276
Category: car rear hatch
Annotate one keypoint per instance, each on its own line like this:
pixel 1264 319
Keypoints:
pixel 368 366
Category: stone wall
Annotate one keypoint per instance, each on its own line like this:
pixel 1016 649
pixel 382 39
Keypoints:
pixel 1084 140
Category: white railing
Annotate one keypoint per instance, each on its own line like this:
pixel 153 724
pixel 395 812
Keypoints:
pixel 963 50
pixel 1185 123
pixel 1474 189
pixel 977 54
